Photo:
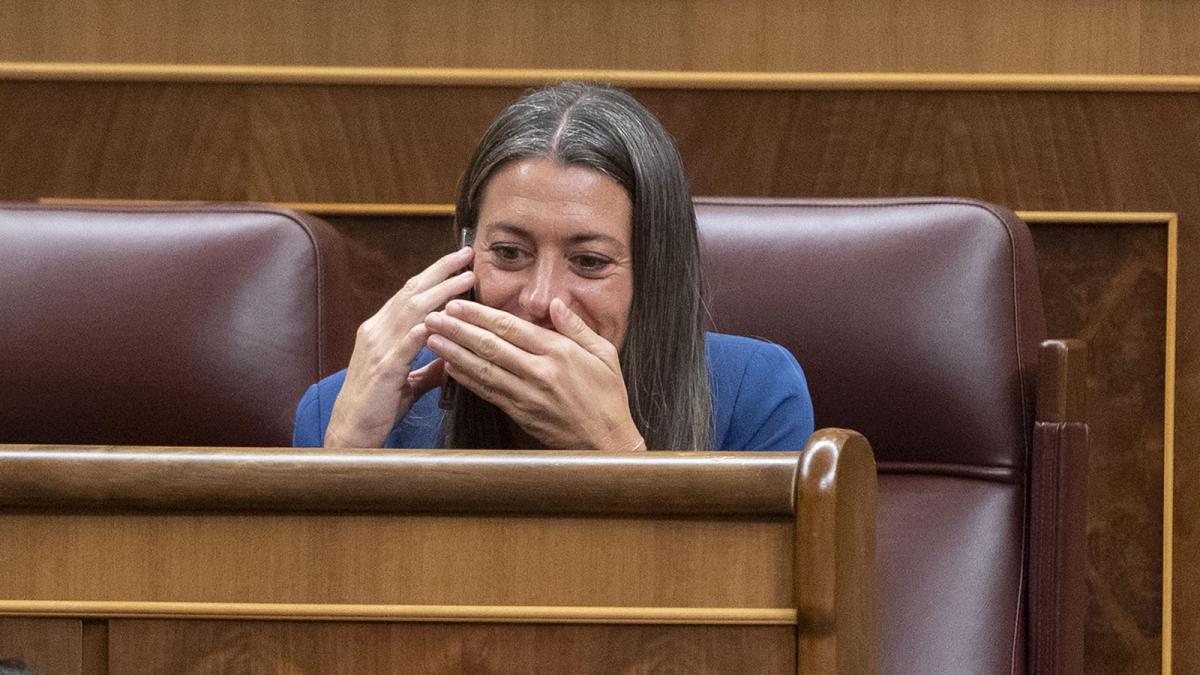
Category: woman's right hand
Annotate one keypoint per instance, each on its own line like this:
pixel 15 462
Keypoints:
pixel 380 384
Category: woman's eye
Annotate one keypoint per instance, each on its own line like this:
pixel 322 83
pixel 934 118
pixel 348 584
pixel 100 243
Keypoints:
pixel 590 264
pixel 506 254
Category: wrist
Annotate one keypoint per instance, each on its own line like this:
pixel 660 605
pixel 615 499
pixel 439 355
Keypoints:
pixel 628 440
pixel 341 434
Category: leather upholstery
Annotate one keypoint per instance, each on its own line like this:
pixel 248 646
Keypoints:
pixel 917 322
pixel 191 325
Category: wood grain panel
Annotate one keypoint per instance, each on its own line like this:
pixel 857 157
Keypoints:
pixel 1106 284
pixel 238 142
pixel 1069 36
pixel 397 560
pixel 199 647
pixel 44 645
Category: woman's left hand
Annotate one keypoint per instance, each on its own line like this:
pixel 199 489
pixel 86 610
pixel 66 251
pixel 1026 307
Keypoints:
pixel 563 388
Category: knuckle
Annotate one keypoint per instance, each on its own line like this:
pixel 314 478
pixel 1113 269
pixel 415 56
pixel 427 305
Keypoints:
pixel 367 335
pixel 560 349
pixel 544 372
pixel 489 347
pixel 505 325
pixel 365 329
pixel 486 376
pixel 410 287
pixel 411 305
pixel 608 351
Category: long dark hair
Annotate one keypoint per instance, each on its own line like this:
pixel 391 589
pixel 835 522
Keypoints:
pixel 663 357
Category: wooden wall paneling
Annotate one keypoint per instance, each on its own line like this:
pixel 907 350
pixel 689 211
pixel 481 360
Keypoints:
pixel 44 645
pixel 1024 36
pixel 200 647
pixel 385 251
pixel 1106 283
pixel 95 647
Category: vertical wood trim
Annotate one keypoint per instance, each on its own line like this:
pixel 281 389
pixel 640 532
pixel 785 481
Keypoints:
pixel 1169 444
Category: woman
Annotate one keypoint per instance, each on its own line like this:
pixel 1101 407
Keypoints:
pixel 587 327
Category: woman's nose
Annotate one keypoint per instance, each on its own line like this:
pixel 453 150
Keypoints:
pixel 543 286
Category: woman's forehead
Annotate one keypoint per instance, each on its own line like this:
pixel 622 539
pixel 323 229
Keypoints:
pixel 540 197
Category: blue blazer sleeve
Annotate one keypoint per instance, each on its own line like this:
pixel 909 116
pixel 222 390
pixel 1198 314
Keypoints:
pixel 314 410
pixel 761 398
pixel 307 432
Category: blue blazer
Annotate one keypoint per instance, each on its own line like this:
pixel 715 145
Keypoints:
pixel 760 401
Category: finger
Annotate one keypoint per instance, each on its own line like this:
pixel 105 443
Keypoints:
pixel 400 357
pixel 485 344
pixel 442 269
pixel 414 308
pixel 518 332
pixel 427 377
pixel 488 380
pixel 568 323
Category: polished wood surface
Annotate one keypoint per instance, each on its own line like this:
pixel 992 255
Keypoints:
pixel 1069 36
pixel 1062 381
pixel 128 609
pixel 544 482
pixel 218 647
pixel 830 595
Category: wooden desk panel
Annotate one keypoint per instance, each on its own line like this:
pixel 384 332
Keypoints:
pixel 396 559
pixel 196 560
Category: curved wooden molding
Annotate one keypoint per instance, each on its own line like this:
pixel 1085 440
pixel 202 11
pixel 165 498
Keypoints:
pixel 640 79
pixel 100 478
pixel 724 616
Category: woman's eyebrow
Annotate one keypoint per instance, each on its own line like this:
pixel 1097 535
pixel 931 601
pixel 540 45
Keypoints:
pixel 588 237
pixel 510 229
pixel 575 239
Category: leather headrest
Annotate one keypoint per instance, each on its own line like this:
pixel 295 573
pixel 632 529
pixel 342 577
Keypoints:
pixel 916 320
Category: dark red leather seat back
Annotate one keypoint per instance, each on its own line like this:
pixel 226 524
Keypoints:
pixel 190 325
pixel 917 323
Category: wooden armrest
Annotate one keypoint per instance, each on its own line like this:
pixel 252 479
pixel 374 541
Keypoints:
pixel 835 553
pixel 1058 510
pixel 1062 381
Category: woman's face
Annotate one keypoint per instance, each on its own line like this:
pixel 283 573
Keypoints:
pixel 550 231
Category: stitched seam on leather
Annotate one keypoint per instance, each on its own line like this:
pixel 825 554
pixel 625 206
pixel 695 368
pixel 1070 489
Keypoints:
pixel 319 273
pixel 991 474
